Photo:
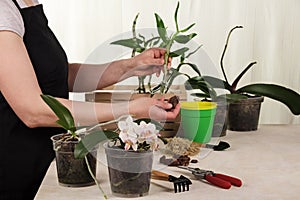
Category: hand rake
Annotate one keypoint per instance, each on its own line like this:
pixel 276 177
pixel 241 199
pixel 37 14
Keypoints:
pixel 181 184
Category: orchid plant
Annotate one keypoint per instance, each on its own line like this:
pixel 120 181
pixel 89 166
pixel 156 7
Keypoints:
pixel 207 84
pixel 137 135
pixel 139 43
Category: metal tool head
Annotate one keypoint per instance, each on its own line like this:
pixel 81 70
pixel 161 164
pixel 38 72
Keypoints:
pixel 198 173
pixel 181 184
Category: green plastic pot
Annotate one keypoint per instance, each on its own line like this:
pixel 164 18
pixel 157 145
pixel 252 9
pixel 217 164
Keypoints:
pixel 197 119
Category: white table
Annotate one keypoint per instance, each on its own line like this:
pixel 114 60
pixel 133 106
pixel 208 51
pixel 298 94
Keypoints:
pixel 267 161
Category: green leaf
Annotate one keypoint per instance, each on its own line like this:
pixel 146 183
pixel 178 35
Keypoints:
pixel 178 52
pixel 188 28
pixel 235 82
pixel 65 118
pixel 131 43
pixel 155 89
pixel 174 74
pixel 217 83
pixel 155 41
pixel 183 39
pixel 91 140
pixel 198 83
pixel 282 94
pixel 191 53
pixel 193 66
pixel 175 16
pixel 161 28
pixel 214 82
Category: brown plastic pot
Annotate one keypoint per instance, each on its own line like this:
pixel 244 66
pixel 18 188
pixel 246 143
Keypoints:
pixel 244 114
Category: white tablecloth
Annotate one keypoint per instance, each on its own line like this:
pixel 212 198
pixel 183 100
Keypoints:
pixel 267 161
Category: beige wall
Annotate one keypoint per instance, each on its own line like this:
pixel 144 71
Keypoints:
pixel 270 35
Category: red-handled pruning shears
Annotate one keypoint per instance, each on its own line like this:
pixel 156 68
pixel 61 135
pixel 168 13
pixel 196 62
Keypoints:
pixel 221 180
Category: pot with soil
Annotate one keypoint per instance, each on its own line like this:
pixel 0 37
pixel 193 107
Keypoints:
pixel 221 120
pixel 72 172
pixel 129 171
pixel 243 115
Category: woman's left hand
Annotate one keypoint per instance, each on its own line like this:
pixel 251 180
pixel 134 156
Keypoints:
pixel 157 109
pixel 150 61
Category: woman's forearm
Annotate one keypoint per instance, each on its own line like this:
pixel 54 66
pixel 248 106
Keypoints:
pixel 89 77
pixel 89 113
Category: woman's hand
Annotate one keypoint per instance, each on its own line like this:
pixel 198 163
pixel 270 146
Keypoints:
pixel 153 109
pixel 149 62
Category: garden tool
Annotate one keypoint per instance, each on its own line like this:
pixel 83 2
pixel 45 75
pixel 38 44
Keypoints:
pixel 181 184
pixel 219 147
pixel 220 180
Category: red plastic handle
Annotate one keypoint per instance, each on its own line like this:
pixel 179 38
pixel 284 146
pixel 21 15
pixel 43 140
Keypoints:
pixel 234 181
pixel 218 182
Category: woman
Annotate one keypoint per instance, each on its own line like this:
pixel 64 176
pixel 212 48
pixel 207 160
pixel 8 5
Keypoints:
pixel 32 62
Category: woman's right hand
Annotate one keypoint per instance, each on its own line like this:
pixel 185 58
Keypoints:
pixel 153 109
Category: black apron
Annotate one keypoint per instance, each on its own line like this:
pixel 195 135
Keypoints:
pixel 26 153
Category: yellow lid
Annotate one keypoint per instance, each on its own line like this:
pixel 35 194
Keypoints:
pixel 197 105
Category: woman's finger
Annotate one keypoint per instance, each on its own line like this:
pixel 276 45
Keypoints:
pixel 173 114
pixel 163 104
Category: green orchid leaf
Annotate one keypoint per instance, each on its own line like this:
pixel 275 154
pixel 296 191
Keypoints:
pixel 183 39
pixel 65 118
pixel 217 83
pixel 147 120
pixel 173 75
pixel 155 89
pixel 191 53
pixel 142 37
pixel 155 41
pixel 133 43
pixel 91 140
pixel 162 32
pixel 235 82
pixel 162 45
pixel 175 17
pixel 178 52
pixel 193 66
pixel 205 87
pixel 214 82
pixel 188 28
pixel 192 84
pixel 282 94
pixel 182 58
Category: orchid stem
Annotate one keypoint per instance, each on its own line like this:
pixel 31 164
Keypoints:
pixel 224 51
pixel 95 179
